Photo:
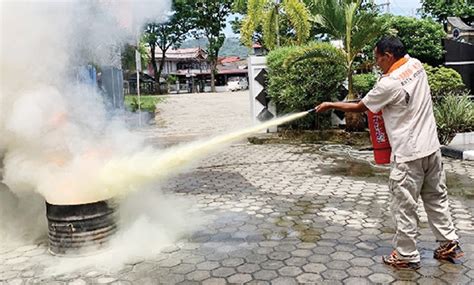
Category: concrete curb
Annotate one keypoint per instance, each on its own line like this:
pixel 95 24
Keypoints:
pixel 458 153
pixel 461 147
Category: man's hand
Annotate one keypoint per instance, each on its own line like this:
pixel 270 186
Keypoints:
pixel 325 106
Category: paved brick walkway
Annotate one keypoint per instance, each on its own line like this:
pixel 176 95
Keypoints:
pixel 280 214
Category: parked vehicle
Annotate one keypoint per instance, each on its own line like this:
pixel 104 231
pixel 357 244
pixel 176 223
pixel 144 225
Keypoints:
pixel 237 83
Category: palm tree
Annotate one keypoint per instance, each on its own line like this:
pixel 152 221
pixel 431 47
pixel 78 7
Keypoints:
pixel 265 15
pixel 347 21
pixel 355 26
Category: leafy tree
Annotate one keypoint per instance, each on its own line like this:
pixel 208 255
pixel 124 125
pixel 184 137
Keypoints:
pixel 211 18
pixel 128 56
pixel 269 16
pixel 169 34
pixel 349 21
pixel 239 6
pixel 421 37
pixel 442 9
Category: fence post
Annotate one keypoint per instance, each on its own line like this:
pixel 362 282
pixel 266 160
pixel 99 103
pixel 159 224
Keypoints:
pixel 261 107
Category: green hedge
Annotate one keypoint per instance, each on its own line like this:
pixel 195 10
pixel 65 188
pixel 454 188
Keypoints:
pixel 443 80
pixel 305 83
pixel 364 82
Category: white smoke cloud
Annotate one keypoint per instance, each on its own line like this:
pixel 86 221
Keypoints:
pixel 55 131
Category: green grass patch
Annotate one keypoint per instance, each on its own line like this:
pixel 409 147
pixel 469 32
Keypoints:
pixel 147 102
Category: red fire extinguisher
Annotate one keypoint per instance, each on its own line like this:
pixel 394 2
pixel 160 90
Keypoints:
pixel 379 138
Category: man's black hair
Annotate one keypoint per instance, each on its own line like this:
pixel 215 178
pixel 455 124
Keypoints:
pixel 392 45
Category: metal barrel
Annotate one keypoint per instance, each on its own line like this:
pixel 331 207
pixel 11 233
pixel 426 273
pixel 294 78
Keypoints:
pixel 80 229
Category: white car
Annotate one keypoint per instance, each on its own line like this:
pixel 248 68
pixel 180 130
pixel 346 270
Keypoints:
pixel 237 83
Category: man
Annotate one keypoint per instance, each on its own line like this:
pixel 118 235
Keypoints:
pixel 403 95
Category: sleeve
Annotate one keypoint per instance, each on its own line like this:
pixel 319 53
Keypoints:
pixel 379 97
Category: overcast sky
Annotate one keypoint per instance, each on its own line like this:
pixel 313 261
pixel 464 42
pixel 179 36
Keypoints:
pixel 397 7
pixel 402 7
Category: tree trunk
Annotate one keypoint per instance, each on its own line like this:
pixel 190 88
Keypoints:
pixel 350 86
pixel 153 64
pixel 213 73
pixel 160 70
pixel 355 122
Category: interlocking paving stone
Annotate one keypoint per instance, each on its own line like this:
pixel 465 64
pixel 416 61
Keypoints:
pixel 239 278
pixel 265 274
pixel 207 265
pixel 361 261
pixel 402 282
pixel 334 274
pixel 279 255
pixel 272 264
pixel 198 275
pixel 223 272
pixel 381 278
pixel 248 268
pixel 314 267
pixel 275 210
pixel 301 253
pixel 258 282
pixel 452 278
pixel 183 268
pixel 170 262
pixel 171 278
pixel 356 281
pixel 323 250
pixel 359 271
pixel 296 261
pixel 319 258
pixel 289 271
pixel 338 264
pixel 214 281
pixel 341 255
pixel 309 278
pixel 284 281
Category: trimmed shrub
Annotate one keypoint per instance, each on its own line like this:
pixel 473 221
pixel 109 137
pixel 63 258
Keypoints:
pixel 454 113
pixel 363 83
pixel 147 103
pixel 303 84
pixel 443 80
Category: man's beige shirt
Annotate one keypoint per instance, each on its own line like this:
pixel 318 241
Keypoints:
pixel 404 97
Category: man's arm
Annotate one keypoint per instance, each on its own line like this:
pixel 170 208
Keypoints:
pixel 341 106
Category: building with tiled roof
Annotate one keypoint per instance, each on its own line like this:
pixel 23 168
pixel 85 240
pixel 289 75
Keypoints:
pixel 192 68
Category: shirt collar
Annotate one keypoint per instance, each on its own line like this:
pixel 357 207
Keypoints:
pixel 396 65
